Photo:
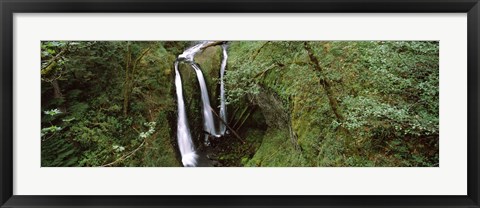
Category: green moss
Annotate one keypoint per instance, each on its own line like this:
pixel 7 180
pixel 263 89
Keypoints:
pixel 377 111
pixel 276 151
pixel 294 103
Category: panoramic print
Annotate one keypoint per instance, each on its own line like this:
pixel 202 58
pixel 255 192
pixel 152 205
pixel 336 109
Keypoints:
pixel 228 103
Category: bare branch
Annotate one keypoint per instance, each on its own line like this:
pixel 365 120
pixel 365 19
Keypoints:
pixel 125 156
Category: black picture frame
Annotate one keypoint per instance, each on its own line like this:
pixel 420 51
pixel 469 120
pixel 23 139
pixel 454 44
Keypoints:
pixel 9 7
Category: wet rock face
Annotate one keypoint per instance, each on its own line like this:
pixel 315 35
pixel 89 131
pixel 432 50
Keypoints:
pixel 210 60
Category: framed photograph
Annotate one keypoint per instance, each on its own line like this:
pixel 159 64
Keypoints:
pixel 267 103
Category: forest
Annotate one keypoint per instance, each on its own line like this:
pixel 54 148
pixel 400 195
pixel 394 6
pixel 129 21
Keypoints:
pixel 240 103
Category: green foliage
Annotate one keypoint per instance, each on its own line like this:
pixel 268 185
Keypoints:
pixel 275 151
pixel 52 112
pixel 150 131
pixel 294 103
pixel 92 131
pixel 366 103
pixel 118 148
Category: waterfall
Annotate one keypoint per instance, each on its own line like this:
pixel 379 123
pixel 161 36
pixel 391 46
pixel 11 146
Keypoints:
pixel 208 124
pixel 223 110
pixel 187 150
pixel 185 144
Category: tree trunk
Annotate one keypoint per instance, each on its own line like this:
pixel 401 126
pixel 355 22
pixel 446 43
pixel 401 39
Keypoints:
pixel 326 85
pixel 213 44
pixel 57 94
pixel 128 60
pixel 53 62
pixel 130 70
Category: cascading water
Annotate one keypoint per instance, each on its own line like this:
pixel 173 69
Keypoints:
pixel 223 110
pixel 189 54
pixel 189 157
pixel 187 150
pixel 208 124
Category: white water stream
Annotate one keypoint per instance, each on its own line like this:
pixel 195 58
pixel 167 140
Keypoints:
pixel 208 124
pixel 223 109
pixel 189 157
